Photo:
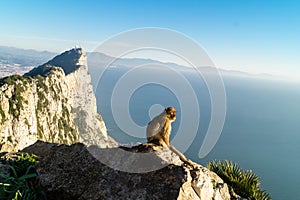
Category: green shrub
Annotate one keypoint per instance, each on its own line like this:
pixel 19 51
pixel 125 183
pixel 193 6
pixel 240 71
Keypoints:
pixel 243 183
pixel 10 80
pixel 20 181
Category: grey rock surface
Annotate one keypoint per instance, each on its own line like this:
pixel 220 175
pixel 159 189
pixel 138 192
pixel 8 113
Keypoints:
pixel 72 172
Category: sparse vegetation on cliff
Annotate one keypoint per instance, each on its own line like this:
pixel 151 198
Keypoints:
pixel 2 114
pixel 16 101
pixel 243 183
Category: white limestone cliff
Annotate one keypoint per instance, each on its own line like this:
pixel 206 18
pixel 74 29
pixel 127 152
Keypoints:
pixel 54 102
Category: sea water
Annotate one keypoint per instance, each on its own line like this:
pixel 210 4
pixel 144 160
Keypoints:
pixel 261 130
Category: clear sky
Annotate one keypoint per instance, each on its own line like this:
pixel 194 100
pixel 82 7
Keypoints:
pixel 252 36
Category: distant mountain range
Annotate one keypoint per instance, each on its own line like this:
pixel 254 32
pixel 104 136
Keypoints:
pixel 24 57
pixel 14 60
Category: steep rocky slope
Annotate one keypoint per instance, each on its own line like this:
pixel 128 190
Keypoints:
pixel 54 102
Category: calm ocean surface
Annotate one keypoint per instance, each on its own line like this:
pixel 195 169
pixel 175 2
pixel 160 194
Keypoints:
pixel 261 131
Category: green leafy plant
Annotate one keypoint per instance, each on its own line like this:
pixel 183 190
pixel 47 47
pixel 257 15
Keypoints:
pixel 20 180
pixel 243 183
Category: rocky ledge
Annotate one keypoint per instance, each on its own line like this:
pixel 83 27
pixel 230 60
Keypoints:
pixel 73 172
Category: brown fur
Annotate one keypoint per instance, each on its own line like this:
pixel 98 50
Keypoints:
pixel 162 138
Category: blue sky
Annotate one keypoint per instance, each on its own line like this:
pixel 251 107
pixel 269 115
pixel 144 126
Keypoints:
pixel 252 36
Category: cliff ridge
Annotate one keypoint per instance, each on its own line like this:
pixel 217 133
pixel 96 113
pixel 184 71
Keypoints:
pixel 54 102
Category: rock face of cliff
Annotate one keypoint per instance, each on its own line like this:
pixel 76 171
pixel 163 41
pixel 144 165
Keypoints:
pixel 71 172
pixel 54 102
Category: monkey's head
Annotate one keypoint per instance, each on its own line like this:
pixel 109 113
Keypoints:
pixel 171 113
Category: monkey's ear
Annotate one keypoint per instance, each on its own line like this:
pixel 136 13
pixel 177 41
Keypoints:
pixel 168 109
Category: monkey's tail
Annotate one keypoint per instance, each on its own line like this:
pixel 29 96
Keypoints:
pixel 181 156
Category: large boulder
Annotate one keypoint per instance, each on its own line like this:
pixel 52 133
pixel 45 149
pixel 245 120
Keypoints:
pixel 74 172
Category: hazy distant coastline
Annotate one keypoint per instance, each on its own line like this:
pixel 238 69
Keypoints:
pixel 19 61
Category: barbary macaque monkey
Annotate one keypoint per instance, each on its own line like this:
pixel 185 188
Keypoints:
pixel 159 130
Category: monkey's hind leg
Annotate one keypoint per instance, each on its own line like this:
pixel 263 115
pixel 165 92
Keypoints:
pixel 157 141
